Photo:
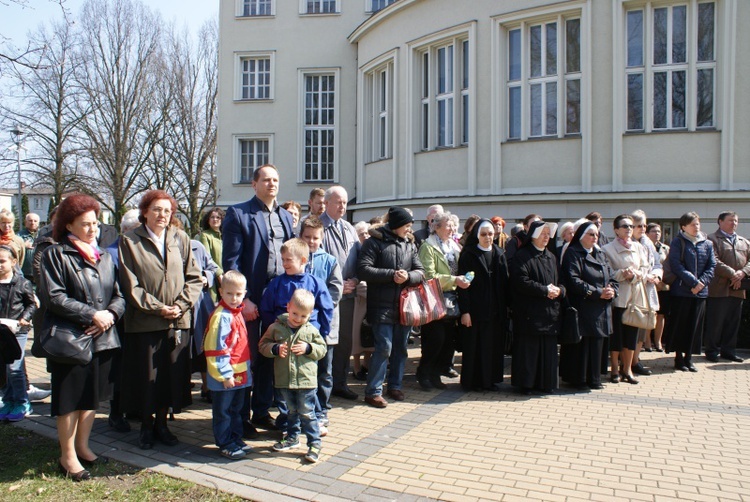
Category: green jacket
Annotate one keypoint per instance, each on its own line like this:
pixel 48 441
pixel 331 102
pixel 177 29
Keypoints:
pixel 293 372
pixel 435 265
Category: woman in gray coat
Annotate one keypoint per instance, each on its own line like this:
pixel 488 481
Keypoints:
pixel 161 282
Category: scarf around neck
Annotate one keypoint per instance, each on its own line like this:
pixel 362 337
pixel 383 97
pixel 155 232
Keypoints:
pixel 89 252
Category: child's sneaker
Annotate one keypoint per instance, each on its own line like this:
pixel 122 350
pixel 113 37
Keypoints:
pixel 5 409
pixel 244 447
pixel 286 444
pixel 235 453
pixel 19 412
pixel 313 454
pixel 323 430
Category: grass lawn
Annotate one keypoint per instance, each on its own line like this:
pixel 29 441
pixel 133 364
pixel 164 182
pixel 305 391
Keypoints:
pixel 28 470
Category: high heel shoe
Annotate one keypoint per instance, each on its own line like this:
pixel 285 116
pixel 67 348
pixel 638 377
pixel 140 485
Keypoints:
pixel 92 463
pixel 629 379
pixel 83 475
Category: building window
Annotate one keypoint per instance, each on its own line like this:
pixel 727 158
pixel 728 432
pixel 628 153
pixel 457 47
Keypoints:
pixel 37 202
pixel 671 63
pixel 319 6
pixel 379 129
pixel 544 78
pixel 376 5
pixel 252 152
pixel 252 8
pixel 319 108
pixel 444 91
pixel 254 82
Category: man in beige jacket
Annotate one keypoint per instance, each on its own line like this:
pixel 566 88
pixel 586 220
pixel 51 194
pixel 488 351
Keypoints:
pixel 725 296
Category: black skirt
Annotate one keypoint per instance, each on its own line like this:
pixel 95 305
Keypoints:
pixel 155 372
pixel 79 387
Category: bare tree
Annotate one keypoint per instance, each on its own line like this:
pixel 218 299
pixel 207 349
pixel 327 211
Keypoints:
pixel 33 55
pixel 188 97
pixel 120 46
pixel 48 107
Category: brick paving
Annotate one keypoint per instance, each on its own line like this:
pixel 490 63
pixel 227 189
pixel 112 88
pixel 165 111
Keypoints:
pixel 675 436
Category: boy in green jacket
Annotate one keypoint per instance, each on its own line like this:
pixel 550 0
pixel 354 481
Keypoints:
pixel 296 346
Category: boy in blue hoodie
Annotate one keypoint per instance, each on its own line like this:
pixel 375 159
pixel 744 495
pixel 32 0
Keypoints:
pixel 326 268
pixel 294 257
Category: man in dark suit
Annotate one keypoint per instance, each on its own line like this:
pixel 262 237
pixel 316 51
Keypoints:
pixel 252 235
pixel 423 233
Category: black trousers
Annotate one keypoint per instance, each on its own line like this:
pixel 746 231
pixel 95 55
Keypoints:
pixel 437 347
pixel 723 316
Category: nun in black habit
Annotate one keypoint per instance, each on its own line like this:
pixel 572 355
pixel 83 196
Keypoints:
pixel 590 286
pixel 483 309
pixel 536 293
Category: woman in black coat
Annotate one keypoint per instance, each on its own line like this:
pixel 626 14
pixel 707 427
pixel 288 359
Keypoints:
pixel 483 308
pixel 536 294
pixel 590 286
pixel 77 286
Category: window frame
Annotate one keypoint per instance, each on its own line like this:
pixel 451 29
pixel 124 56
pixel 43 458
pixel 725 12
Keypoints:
pixel 237 140
pixel 649 68
pixel 303 127
pixel 370 5
pixel 453 99
pixel 379 109
pixel 557 84
pixel 305 4
pixel 242 56
pixel 240 8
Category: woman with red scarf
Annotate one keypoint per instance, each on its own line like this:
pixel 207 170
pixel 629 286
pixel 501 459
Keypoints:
pixel 9 238
pixel 77 285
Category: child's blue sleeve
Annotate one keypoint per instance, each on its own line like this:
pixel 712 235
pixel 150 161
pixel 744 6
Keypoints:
pixel 324 305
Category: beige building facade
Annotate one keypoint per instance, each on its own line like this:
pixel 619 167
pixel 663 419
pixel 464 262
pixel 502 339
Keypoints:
pixel 491 107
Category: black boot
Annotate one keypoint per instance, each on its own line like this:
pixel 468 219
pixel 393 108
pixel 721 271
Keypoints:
pixel 423 379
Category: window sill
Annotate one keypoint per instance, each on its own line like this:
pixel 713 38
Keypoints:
pixel 264 100
pixel 671 131
pixel 269 16
pixel 242 183
pixel 319 14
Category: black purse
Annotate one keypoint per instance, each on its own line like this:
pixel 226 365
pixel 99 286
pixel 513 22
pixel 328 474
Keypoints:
pixel 9 349
pixel 570 332
pixel 65 342
pixel 451 305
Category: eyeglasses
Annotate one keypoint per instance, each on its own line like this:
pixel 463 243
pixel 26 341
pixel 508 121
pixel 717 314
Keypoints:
pixel 640 226
pixel 626 226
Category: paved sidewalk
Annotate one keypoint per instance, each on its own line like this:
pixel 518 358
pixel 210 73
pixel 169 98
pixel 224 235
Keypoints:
pixel 675 436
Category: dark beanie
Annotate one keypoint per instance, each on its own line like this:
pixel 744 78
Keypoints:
pixel 398 217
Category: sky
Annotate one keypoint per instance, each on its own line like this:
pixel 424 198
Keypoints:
pixel 17 22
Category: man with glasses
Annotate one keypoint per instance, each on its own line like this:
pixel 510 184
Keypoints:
pixel 725 293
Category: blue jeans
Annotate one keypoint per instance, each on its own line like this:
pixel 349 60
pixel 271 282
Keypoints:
pixel 227 419
pixel 325 384
pixel 15 390
pixel 390 345
pixel 301 418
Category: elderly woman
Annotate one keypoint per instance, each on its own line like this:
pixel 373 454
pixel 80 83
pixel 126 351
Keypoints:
pixel 536 294
pixel 439 256
pixel 78 286
pixel 653 280
pixel 590 286
pixel 162 282
pixel 483 308
pixel 630 261
pixel 692 260
pixel 9 238
pixel 210 237
pixel 388 262
pixel 566 231
pixel 653 231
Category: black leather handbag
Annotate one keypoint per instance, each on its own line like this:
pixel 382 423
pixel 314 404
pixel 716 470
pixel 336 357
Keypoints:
pixel 65 342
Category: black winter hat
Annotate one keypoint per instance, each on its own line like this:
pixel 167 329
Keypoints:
pixel 398 217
